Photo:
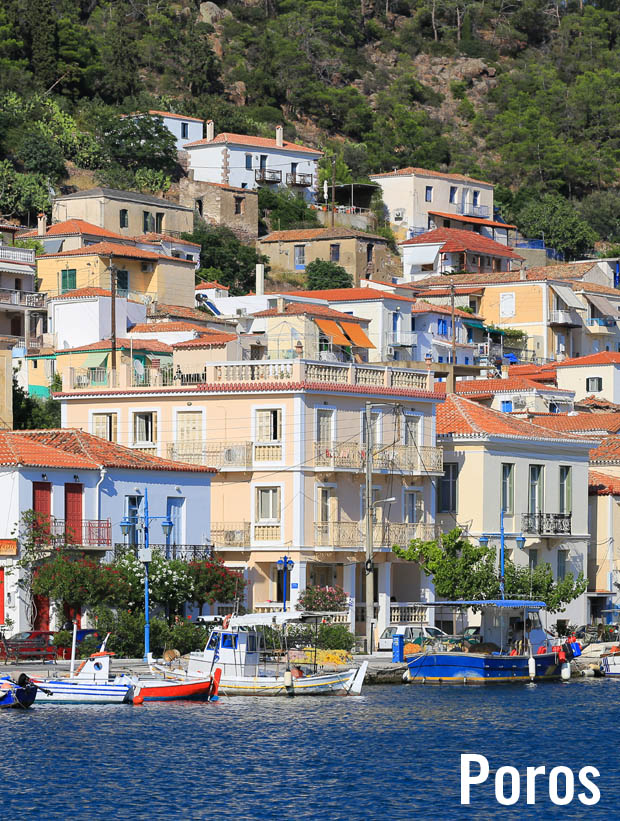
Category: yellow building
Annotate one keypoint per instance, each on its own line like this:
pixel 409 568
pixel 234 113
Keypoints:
pixel 139 273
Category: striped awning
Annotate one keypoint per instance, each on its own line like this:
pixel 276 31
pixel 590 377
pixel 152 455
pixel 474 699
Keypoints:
pixel 333 331
pixel 356 335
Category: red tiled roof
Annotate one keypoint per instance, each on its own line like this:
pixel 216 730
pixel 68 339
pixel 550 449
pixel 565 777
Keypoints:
pixel 602 484
pixel 473 220
pixel 203 286
pixel 575 422
pixel 607 451
pixel 114 249
pixel 153 237
pixel 425 172
pixel 562 271
pixel 152 345
pixel 422 307
pixel 72 227
pixel 597 402
pixel 227 187
pixel 165 327
pixel 351 295
pixel 456 240
pixel 182 312
pixel 259 142
pixel 176 116
pixel 300 308
pixel 460 416
pixel 422 292
pixel 515 384
pixel 214 340
pixel 78 293
pixel 602 358
pixel 310 234
pixel 69 447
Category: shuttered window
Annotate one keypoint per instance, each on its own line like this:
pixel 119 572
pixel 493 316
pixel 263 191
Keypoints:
pixel 411 433
pixel 269 425
pixel 144 427
pixel 324 426
pixel 105 426
pixel 413 506
pixel 68 279
pixel 268 504
pixel 189 426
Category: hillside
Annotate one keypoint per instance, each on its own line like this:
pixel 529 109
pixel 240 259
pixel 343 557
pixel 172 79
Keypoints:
pixel 525 94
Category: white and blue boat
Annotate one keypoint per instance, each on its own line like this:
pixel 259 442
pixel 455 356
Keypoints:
pixel 91 684
pixel 513 647
pixel 20 693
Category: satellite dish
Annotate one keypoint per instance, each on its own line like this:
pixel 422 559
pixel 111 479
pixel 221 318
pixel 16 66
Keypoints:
pixel 138 367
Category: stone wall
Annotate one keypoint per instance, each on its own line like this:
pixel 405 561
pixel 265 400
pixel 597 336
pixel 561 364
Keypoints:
pixel 219 204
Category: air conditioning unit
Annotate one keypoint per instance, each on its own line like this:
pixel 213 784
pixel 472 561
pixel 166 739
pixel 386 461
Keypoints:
pixel 390 350
pixel 519 402
pixel 399 214
pixel 232 456
pixel 147 267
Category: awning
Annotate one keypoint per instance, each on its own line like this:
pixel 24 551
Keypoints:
pixel 421 254
pixel 331 329
pixel 95 359
pixel 567 295
pixel 603 305
pixel 52 246
pixel 494 330
pixel 473 323
pixel 356 335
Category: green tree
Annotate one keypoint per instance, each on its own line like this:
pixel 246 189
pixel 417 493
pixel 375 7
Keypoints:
pixel 139 142
pixel 321 274
pixel 558 222
pixel 601 210
pixel 212 582
pixel 38 154
pixel 461 570
pixel 280 210
pixel 33 413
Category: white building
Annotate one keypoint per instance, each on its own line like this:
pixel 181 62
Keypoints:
pixel 84 486
pixel 595 375
pixel 244 161
pixel 183 128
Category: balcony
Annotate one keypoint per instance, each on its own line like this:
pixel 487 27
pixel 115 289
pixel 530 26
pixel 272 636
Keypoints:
pixel 398 458
pixel 600 325
pixel 220 455
pixel 91 378
pixel 567 317
pixel 264 532
pixel 468 210
pixel 302 180
pixel 546 524
pixel 401 340
pixel 183 552
pixel 21 299
pixel 89 533
pixel 11 254
pixel 230 534
pixel 385 534
pixel 267 175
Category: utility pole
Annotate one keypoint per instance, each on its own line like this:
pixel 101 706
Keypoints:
pixel 453 324
pixel 113 317
pixel 333 189
pixel 369 567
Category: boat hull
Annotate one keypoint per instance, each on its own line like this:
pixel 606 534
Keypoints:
pixel 17 696
pixel 610 665
pixel 478 668
pixel 66 691
pixel 168 690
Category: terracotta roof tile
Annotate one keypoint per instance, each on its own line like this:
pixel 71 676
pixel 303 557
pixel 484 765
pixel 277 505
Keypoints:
pixel 422 307
pixel 114 249
pixel 300 308
pixel 79 293
pixel 175 116
pixel 561 271
pixel 602 358
pixel 595 402
pixel 576 422
pixel 456 240
pixel 425 172
pixel 152 345
pixel 227 187
pixel 460 416
pixel 602 484
pixel 310 234
pixel 607 451
pixel 75 226
pixel 259 142
pixel 153 237
pixel 514 384
pixel 472 220
pixel 351 295
pixel 164 327
pixel 159 310
pixel 203 286
pixel 214 340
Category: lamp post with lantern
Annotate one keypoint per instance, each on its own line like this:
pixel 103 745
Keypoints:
pixel 484 540
pixel 285 564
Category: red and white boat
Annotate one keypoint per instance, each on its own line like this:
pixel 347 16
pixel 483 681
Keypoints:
pixel 161 689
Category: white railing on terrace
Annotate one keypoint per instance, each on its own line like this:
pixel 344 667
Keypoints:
pixel 27 299
pixel 404 612
pixel 10 254
pixel 230 534
pixel 220 455
pixel 402 458
pixel 565 317
pixel 402 339
pixel 385 534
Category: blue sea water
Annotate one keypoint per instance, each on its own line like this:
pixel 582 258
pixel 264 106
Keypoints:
pixel 392 753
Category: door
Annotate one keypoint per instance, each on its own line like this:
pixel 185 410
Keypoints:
pixel 42 504
pixel 189 435
pixel 41 613
pixel 16 326
pixel 73 512
pixel 1 595
pixel 176 514
pixel 72 614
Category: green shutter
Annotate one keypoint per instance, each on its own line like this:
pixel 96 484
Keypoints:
pixel 68 279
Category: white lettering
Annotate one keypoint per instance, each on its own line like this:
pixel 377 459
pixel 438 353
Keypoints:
pixel 569 793
pixel 515 789
pixel 584 772
pixel 532 772
pixel 466 776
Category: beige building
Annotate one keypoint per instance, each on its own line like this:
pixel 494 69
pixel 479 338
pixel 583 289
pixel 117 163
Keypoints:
pixel 604 502
pixel 493 461
pixel 289 442
pixel 364 256
pixel 596 375
pixel 221 204
pixel 126 212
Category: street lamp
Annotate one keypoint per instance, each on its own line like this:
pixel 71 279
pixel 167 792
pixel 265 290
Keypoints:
pixel 483 541
pixel 285 564
pixel 145 555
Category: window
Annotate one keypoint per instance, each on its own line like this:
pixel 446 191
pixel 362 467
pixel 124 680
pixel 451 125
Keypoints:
pixel 122 280
pixel 594 384
pixel 536 489
pixel 334 253
pixel 370 248
pixel 263 161
pixel 132 511
pixel 294 169
pixel 507 304
pixel 239 205
pixel 325 502
pixel 18 284
pixel 453 193
pixel 147 222
pixel 413 506
pixel 566 489
pixel 476 198
pixel 184 131
pixel 411 429
pixel 145 427
pixel 562 562
pixel 105 426
pixel 248 162
pixel 300 256
pixel 268 504
pixel 508 490
pixel 506 405
pixel 269 425
pixel 553 407
pixel 123 218
pixel 159 222
pixel 35 363
pixel 189 430
pixel 324 426
pixel 533 558
pixel 68 279
pixel 428 194
pixel 447 488
pixel 198 205
pixel 442 326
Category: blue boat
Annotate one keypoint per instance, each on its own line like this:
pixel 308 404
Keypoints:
pixel 513 647
pixel 20 693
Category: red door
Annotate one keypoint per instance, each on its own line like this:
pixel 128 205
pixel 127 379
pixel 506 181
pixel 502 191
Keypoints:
pixel 73 614
pixel 42 504
pixel 73 512
pixel 41 613
pixel 1 595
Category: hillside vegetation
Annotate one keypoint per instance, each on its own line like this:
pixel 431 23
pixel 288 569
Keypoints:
pixel 524 93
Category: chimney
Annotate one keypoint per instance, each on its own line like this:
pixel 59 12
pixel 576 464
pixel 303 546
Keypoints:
pixel 41 224
pixel 260 279
pixel 280 302
pixel 522 274
pixel 210 131
pixel 279 136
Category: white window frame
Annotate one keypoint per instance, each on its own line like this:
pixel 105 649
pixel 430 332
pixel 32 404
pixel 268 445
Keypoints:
pixel 420 417
pixel 186 409
pixel 272 520
pixel 110 411
pixel 156 411
pixel 332 409
pixel 411 489
pixel 269 407
pixel 567 501
pixel 378 440
pixel 332 487
pixel 375 496
pixel 511 510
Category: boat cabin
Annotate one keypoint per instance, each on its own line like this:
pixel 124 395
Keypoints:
pixel 236 651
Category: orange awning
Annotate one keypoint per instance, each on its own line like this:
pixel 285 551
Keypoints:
pixel 356 335
pixel 329 327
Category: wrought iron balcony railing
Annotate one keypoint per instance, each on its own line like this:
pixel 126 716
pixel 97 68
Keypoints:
pixel 546 524
pixel 87 533
pixel 267 175
pixel 302 180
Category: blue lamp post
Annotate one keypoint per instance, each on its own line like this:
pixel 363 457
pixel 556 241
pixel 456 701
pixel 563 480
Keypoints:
pixel 145 555
pixel 484 540
pixel 285 564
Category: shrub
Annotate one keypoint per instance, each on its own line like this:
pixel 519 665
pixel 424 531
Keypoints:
pixel 323 598
pixel 322 274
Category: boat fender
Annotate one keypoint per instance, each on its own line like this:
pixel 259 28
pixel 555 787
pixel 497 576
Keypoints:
pixel 226 622
pixel 587 673
pixel 576 648
pixel 288 679
pixel 565 671
pixel 531 667
pixel 556 648
pixel 568 651
pixel 561 656
pixel 541 650
pixel 513 652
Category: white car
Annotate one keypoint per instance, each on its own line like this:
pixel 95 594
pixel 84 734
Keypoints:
pixel 410 633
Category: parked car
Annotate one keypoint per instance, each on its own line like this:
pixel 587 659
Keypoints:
pixel 411 632
pixel 31 644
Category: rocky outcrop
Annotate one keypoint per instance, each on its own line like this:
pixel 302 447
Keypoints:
pixel 211 13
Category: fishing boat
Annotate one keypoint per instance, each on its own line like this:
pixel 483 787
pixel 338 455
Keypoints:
pixel 20 693
pixel 235 649
pixel 610 662
pixel 161 689
pixel 90 684
pixel 513 647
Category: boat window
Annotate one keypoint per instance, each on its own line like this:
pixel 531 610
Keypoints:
pixel 251 643
pixel 213 640
pixel 229 641
pixel 534 620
